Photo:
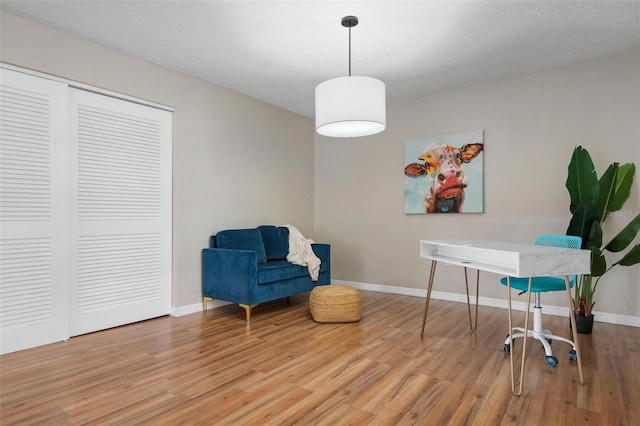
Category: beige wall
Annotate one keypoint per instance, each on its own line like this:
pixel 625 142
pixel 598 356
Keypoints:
pixel 237 162
pixel 531 126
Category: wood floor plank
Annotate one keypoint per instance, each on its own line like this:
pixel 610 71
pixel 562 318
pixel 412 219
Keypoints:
pixel 459 410
pixel 415 389
pixel 388 387
pixel 285 369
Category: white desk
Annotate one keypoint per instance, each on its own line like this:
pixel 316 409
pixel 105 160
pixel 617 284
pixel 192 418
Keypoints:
pixel 513 260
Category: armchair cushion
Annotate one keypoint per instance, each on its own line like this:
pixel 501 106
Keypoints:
pixel 242 239
pixel 280 270
pixel 276 241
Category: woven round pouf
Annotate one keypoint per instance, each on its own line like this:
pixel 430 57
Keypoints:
pixel 335 303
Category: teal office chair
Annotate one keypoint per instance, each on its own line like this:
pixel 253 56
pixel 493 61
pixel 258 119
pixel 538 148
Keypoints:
pixel 541 285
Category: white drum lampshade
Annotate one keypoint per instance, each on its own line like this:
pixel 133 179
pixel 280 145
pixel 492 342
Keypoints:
pixel 350 107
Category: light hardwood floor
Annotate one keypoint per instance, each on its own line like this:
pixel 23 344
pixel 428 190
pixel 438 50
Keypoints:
pixel 285 369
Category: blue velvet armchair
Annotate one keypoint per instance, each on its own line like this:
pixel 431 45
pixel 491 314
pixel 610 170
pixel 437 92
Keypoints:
pixel 249 266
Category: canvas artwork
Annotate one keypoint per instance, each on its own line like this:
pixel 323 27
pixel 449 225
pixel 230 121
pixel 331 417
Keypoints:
pixel 444 174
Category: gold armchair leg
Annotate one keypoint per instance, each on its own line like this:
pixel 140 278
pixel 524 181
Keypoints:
pixel 204 304
pixel 248 309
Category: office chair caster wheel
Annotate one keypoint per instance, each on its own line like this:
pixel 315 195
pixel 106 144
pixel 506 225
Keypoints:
pixel 551 361
pixel 573 356
pixel 507 346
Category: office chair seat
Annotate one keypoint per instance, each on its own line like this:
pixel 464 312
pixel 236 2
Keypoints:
pixel 538 284
pixel 542 285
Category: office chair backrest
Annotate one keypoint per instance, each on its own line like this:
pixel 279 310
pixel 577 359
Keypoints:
pixel 565 241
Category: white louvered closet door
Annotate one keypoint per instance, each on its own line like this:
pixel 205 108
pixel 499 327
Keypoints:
pixel 34 295
pixel 120 239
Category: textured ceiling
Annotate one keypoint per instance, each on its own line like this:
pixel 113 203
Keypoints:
pixel 278 51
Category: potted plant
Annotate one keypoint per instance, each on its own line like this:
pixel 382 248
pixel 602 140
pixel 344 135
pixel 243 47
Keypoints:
pixel 592 201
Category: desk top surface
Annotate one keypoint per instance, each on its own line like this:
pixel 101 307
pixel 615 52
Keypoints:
pixel 508 258
pixel 505 246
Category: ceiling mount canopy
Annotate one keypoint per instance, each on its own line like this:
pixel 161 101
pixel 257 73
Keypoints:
pixel 350 106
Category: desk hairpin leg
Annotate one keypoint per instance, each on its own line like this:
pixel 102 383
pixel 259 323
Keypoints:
pixel 473 326
pixel 524 340
pixel 432 273
pixel 574 330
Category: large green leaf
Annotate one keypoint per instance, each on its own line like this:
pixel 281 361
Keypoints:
pixel 624 180
pixel 582 181
pixel 582 224
pixel 598 262
pixel 595 236
pixel 631 258
pixel 625 237
pixel 607 184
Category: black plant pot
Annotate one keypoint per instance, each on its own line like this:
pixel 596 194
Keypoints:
pixel 584 324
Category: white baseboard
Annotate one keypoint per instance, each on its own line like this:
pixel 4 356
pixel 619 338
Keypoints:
pixel 178 311
pixel 489 301
pixel 440 295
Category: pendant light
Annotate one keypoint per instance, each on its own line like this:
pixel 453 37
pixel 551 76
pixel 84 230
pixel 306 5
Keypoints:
pixel 350 106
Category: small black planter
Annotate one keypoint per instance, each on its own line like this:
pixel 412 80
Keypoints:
pixel 584 324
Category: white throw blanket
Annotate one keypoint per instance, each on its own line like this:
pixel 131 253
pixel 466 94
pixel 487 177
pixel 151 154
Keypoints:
pixel 301 253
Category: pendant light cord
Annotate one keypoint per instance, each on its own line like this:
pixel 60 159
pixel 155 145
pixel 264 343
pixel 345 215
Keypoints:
pixel 349 51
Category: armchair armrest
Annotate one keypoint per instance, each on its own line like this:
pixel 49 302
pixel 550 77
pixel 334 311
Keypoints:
pixel 229 275
pixel 322 251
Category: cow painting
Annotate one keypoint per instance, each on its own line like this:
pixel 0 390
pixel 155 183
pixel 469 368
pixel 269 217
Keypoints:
pixel 440 169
